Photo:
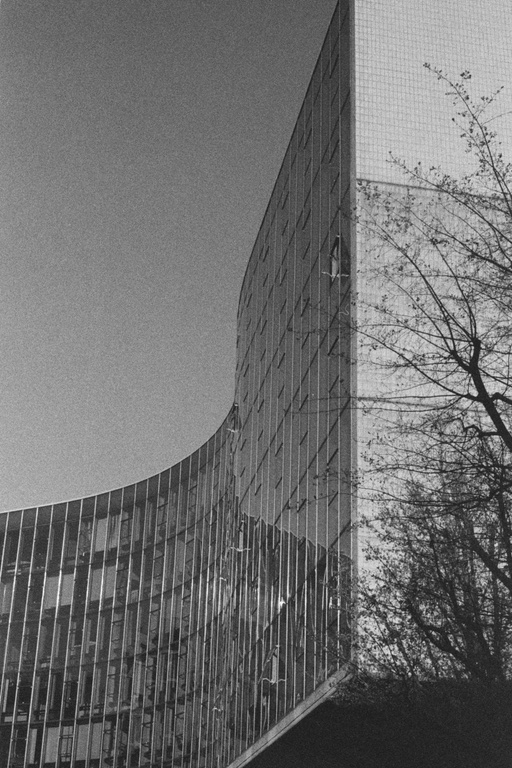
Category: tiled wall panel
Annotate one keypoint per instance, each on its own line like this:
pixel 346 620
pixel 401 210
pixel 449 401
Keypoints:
pixel 400 107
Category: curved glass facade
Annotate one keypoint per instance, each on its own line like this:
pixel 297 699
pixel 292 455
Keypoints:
pixel 176 621
pixel 111 620
pixel 294 380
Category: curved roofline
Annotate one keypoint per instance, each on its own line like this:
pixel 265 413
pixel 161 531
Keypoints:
pixel 189 457
pixel 285 159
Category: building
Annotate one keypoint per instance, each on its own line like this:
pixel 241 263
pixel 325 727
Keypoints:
pixel 190 618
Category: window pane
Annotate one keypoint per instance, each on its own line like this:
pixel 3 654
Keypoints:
pixel 5 596
pixel 50 592
pixel 100 534
pixel 96 740
pixel 95 585
pixel 67 589
pixel 81 742
pixel 52 743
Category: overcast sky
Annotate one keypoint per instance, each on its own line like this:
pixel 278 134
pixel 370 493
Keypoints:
pixel 139 143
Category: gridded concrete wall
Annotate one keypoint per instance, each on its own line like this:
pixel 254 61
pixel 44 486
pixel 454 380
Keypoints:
pixel 402 108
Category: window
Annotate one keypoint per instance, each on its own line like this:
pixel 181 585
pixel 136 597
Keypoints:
pixel 30 642
pixel 94 595
pixel 138 522
pixel 8 697
pixel 91 630
pixel 45 643
pixel 56 539
pixel 113 531
pixel 100 682
pixel 70 694
pixel 97 729
pixel 100 534
pixel 61 638
pixel 36 593
pixel 85 694
pixel 50 592
pixel 334 265
pixel 11 549
pixel 110 578
pixel 108 739
pixel 81 742
pixel 40 694
pixel 52 742
pixel 126 531
pixel 55 695
pixel 66 743
pixel 34 746
pixel 66 589
pixel 27 537
pixel 20 596
pixel 85 539
pixel 112 687
pixel 104 631
pixel 5 596
pixel 41 545
pixel 71 542
pixel 18 744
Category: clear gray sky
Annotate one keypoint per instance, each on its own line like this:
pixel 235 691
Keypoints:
pixel 139 142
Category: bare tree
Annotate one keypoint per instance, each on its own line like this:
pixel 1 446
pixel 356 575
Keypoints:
pixel 435 327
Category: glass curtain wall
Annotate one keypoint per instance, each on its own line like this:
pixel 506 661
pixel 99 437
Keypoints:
pixel 177 620
pixel 109 620
pixel 294 384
